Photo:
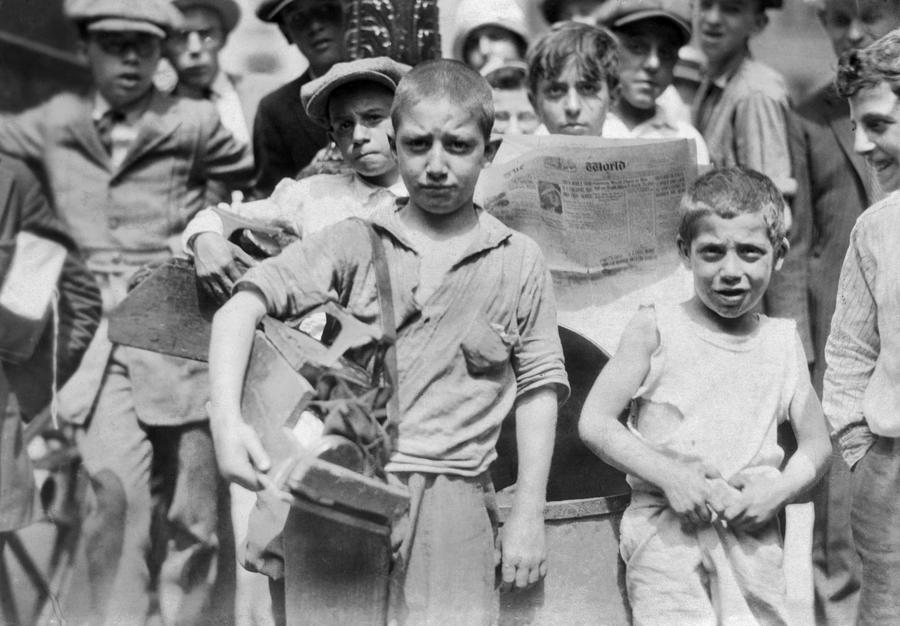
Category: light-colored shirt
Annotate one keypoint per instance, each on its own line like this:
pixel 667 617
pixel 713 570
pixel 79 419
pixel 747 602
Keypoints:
pixel 730 421
pixel 487 334
pixel 123 132
pixel 660 126
pixel 742 114
pixel 861 395
pixel 228 104
pixel 304 206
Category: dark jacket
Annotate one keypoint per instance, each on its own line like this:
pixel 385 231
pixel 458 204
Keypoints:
pixel 285 140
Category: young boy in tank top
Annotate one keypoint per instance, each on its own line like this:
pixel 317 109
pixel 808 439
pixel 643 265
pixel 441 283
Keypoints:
pixel 709 381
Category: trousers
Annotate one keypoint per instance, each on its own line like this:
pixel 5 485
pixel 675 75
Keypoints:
pixel 706 575
pixel 875 519
pixel 154 514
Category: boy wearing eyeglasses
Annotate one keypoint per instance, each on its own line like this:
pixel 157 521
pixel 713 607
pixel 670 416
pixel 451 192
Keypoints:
pixel 193 50
pixel 127 166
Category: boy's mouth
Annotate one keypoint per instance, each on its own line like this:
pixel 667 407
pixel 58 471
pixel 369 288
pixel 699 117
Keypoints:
pixel 880 165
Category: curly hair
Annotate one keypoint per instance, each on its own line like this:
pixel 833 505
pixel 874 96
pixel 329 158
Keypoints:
pixel 730 192
pixel 593 49
pixel 879 62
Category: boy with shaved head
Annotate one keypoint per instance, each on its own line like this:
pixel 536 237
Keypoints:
pixel 476 336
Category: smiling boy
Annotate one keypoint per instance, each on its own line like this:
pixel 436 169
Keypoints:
pixel 863 349
pixel 477 336
pixel 573 75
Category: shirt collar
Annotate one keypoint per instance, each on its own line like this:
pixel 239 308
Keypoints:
pixel 132 113
pixel 221 85
pixel 363 187
pixel 492 232
pixel 730 70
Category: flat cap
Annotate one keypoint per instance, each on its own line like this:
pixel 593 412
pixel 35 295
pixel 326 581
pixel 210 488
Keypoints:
pixel 229 10
pixel 156 17
pixel 619 13
pixel 315 94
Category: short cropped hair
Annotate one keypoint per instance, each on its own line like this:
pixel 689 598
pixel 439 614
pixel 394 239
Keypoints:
pixel 450 81
pixel 730 192
pixel 860 69
pixel 593 49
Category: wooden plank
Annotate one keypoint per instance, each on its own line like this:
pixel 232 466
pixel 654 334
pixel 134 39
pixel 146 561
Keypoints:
pixel 328 483
pixel 166 313
pixel 335 573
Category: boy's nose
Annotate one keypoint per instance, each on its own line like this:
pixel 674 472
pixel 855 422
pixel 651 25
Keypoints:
pixel 572 103
pixel 711 15
pixel 861 142
pixel 855 32
pixel 436 165
pixel 194 45
pixel 360 133
pixel 651 61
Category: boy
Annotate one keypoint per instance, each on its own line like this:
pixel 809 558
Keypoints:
pixel 353 102
pixel 513 113
pixel 127 167
pixel 860 390
pixel 489 32
pixel 834 188
pixel 741 106
pixel 473 342
pixel 573 74
pixel 711 379
pixel 649 35
pixel 285 140
pixel 194 51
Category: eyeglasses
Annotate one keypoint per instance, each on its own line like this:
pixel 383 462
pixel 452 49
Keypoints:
pixel 208 38
pixel 117 44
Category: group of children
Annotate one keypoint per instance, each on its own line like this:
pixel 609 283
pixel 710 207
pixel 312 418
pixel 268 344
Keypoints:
pixel 708 381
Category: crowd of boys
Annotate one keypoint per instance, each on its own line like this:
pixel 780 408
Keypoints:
pixel 131 173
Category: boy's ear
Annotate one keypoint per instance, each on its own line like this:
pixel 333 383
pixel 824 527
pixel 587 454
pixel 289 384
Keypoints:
pixel 684 251
pixel 490 151
pixel 392 142
pixel 781 252
pixel 760 21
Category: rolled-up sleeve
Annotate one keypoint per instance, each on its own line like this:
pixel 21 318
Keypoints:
pixel 852 351
pixel 309 272
pixel 538 358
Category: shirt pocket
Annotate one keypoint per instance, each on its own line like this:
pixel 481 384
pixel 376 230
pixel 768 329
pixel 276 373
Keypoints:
pixel 486 347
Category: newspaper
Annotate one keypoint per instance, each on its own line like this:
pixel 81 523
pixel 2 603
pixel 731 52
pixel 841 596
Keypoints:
pixel 605 213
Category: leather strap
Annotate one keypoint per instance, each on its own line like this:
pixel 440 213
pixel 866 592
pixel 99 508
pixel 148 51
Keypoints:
pixel 388 319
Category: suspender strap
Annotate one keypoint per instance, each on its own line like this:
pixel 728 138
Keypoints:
pixel 388 319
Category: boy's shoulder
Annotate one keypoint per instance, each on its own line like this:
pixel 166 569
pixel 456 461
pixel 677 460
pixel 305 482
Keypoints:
pixel 883 216
pixel 753 77
pixel 286 93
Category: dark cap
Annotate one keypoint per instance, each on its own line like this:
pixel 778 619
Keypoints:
pixel 155 17
pixel 620 13
pixel 229 10
pixel 268 10
pixel 315 94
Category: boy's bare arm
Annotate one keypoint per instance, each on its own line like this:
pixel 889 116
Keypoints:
pixel 684 484
pixel 239 451
pixel 764 497
pixel 524 552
